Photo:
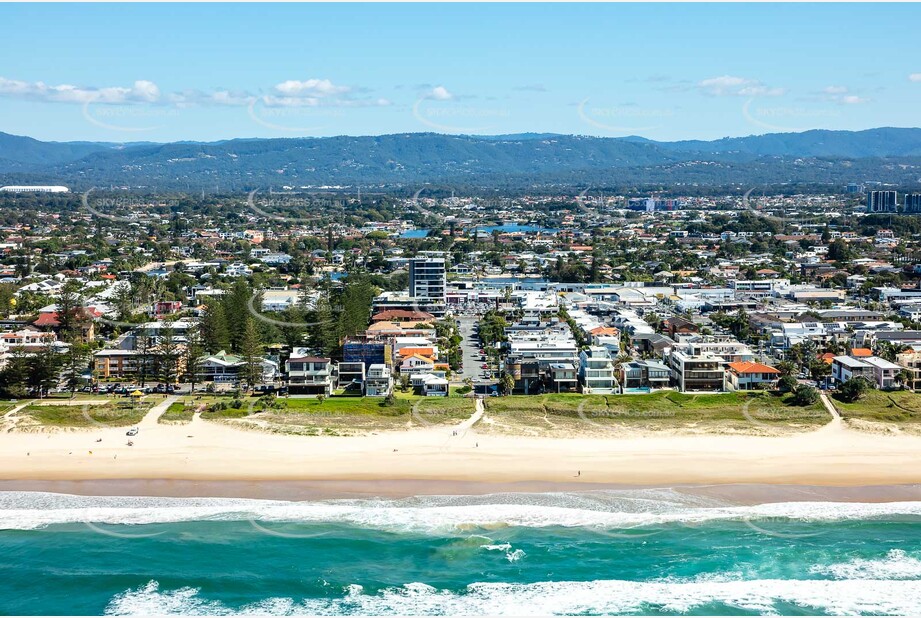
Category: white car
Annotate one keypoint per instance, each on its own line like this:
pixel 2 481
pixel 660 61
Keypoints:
pixel 132 432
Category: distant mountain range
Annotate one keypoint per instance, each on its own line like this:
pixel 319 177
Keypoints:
pixel 510 162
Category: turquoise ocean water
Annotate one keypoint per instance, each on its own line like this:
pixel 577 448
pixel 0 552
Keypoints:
pixel 656 552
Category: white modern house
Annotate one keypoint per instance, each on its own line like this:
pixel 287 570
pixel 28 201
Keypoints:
pixel 597 372
pixel 378 381
pixel 434 386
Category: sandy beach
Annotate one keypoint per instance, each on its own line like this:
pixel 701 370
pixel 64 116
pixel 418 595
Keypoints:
pixel 207 451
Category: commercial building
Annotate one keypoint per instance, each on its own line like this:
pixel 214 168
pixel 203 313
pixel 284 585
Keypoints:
pixel 882 201
pixel 913 203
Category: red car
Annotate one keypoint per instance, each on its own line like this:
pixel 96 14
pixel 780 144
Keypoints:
pixel 484 366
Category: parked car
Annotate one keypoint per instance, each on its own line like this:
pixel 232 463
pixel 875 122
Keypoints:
pixel 132 432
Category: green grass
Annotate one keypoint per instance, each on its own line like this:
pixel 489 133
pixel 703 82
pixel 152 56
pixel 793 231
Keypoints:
pixel 115 414
pixel 754 412
pixel 882 406
pixel 177 412
pixel 348 415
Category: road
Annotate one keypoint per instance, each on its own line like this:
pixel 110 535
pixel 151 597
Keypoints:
pixel 469 349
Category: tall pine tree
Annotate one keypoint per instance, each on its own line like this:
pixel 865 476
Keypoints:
pixel 251 352
pixel 214 333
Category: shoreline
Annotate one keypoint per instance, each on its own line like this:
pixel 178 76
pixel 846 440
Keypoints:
pixel 741 494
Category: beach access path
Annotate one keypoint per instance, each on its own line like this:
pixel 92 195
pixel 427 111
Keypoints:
pixel 206 450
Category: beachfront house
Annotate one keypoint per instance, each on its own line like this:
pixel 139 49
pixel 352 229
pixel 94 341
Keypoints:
pixel 350 375
pixel 224 368
pixel 749 375
pixel 434 386
pixel 308 374
pixel 597 373
pixel 378 381
pixel 563 377
pixel 643 376
pixel 885 373
pixel 843 368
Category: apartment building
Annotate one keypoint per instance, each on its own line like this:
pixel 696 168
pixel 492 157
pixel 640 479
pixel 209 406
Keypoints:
pixel 757 288
pixel 115 363
pixel 545 347
pixel 428 280
pixel 703 372
pixel 911 360
pixel 725 347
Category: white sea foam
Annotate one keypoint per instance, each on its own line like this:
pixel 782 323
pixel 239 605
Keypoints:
pixel 434 514
pixel 512 555
pixel 896 565
pixel 844 597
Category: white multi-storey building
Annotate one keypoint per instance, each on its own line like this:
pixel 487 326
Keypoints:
pixel 597 372
pixel 428 277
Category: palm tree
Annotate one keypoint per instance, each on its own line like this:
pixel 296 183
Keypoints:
pixel 906 379
pixel 508 383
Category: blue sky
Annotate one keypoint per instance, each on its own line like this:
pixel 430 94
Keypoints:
pixel 665 71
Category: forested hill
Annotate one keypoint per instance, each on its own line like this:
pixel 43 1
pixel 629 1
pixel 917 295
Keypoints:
pixel 888 155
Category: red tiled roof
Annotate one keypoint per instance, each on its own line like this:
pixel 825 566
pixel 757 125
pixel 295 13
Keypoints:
pixel 751 367
pixel 405 314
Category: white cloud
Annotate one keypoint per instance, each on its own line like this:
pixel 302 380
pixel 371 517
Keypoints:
pixel 915 77
pixel 440 93
pixel 290 93
pixel 318 88
pixel 841 95
pixel 729 85
pixel 141 91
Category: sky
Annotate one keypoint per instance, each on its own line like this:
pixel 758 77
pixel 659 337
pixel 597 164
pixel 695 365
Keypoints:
pixel 204 72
